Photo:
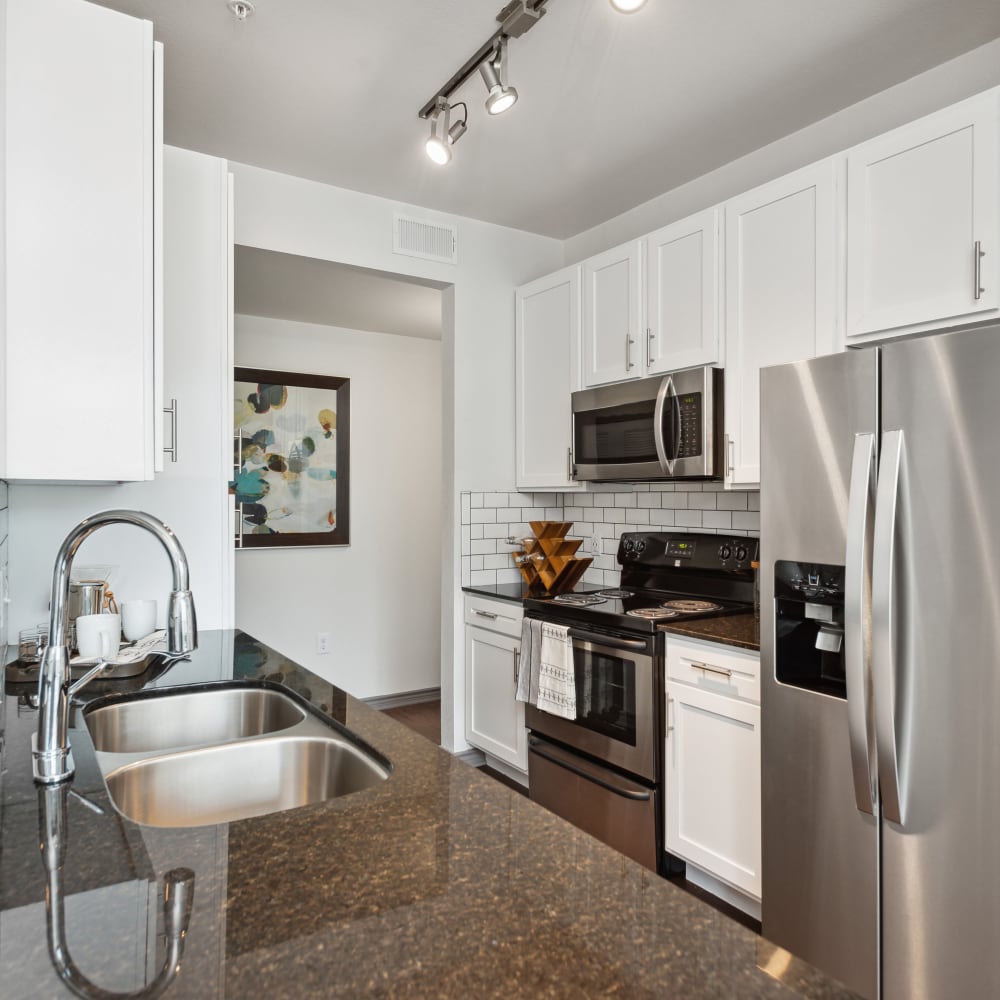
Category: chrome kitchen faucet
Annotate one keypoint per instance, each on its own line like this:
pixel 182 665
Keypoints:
pixel 52 761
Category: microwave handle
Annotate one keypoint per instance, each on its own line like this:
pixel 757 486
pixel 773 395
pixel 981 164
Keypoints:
pixel 666 390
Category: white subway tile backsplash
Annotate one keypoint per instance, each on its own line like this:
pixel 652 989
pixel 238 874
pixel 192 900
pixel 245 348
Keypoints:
pixel 466 537
pixel 484 577
pixel 688 518
pixel 604 499
pixel 750 520
pixel 512 575
pixel 661 518
pixel 546 499
pixel 497 562
pixel 484 515
pixel 554 514
pixel 466 571
pixel 649 499
pixel 718 520
pixel 701 501
pixel 510 514
pixel 484 547
pixel 579 499
pixel 495 499
pixel 477 499
pixel 678 501
pixel 573 514
pixel 731 501
pixel 753 501
pixel 466 508
pixel 475 531
pixel 637 516
pixel 476 562
pixel 496 530
pixel 594 514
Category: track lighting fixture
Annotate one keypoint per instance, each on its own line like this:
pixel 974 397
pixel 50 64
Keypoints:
pixel 494 73
pixel 627 6
pixel 438 147
pixel 490 61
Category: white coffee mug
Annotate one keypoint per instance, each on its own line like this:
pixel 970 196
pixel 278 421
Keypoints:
pixel 98 636
pixel 138 619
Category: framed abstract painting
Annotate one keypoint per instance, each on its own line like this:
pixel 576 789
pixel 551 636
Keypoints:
pixel 291 458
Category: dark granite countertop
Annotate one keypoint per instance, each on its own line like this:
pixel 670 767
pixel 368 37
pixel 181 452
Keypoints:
pixel 440 882
pixel 517 592
pixel 732 630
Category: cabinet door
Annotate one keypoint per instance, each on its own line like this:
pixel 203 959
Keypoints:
pixel 79 289
pixel 922 221
pixel 494 721
pixel 713 784
pixel 682 294
pixel 547 349
pixel 780 278
pixel 612 315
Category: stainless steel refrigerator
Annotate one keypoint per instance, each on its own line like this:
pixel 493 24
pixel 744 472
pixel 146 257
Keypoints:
pixel 880 646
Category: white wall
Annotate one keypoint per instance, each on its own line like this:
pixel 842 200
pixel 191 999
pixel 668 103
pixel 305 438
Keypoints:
pixel 278 212
pixel 952 81
pixel 379 597
pixel 191 494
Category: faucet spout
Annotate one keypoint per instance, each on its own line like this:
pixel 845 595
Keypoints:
pixel 52 761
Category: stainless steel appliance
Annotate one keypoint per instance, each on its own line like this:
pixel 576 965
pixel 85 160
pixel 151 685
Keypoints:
pixel 667 427
pixel 603 770
pixel 880 582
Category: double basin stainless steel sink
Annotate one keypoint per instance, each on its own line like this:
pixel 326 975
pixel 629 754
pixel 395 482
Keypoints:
pixel 195 757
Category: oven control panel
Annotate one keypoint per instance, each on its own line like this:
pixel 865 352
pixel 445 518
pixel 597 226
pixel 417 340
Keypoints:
pixel 687 551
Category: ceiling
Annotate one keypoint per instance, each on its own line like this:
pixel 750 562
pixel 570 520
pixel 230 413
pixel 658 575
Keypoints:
pixel 614 108
pixel 286 286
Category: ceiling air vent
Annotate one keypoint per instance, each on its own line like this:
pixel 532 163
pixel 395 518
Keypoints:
pixel 415 238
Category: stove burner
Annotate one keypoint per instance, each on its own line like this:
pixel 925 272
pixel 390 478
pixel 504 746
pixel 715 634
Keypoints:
pixel 690 606
pixel 618 595
pixel 653 614
pixel 579 600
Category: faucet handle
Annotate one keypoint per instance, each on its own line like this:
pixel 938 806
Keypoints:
pixel 101 667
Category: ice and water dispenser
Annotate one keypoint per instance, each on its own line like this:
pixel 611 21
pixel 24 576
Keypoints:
pixel 809 626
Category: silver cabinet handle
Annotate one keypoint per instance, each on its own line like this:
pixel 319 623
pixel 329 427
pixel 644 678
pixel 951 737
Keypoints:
pixel 484 614
pixel 238 539
pixel 886 675
pixel 628 352
pixel 171 450
pixel 721 671
pixel 857 633
pixel 569 463
pixel 238 454
pixel 517 667
pixel 977 281
pixel 650 337
pixel 730 460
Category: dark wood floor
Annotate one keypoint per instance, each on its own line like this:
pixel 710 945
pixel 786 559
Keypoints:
pixel 425 719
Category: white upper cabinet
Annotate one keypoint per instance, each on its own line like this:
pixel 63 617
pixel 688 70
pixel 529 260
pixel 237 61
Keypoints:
pixel 780 282
pixel 613 323
pixel 682 294
pixel 547 348
pixel 81 102
pixel 923 229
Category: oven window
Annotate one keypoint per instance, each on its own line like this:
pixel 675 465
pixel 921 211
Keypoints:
pixel 605 694
pixel 617 435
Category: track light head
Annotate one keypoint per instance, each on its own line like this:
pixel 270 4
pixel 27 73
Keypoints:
pixel 494 73
pixel 438 147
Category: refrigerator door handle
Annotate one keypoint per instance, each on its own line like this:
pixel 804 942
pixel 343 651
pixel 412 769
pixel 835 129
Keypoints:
pixel 857 622
pixel 885 671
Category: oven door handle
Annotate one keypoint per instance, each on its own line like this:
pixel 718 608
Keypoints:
pixel 610 641
pixel 539 747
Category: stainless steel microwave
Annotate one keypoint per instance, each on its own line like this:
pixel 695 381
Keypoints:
pixel 666 427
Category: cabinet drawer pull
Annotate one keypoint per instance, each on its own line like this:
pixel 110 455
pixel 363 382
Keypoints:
pixel 978 256
pixel 721 671
pixel 569 464
pixel 650 337
pixel 485 614
pixel 238 539
pixel 730 451
pixel 628 352
pixel 517 668
pixel 171 450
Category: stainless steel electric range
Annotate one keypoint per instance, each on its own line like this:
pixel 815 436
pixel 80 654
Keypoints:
pixel 603 770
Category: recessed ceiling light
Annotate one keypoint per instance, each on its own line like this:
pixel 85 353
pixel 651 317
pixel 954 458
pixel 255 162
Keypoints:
pixel 627 6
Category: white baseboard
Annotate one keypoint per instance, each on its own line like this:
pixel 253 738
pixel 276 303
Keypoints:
pixel 721 890
pixel 472 757
pixel 406 698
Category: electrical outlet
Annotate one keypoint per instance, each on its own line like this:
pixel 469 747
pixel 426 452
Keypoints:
pixel 595 544
pixel 322 642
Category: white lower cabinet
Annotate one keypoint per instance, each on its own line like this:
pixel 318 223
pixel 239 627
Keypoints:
pixel 494 720
pixel 712 763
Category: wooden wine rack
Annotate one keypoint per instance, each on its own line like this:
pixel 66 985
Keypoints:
pixel 548 561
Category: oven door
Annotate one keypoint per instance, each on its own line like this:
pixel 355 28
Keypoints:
pixel 616 703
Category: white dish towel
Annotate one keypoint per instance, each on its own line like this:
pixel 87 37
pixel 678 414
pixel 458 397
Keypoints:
pixel 546 678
